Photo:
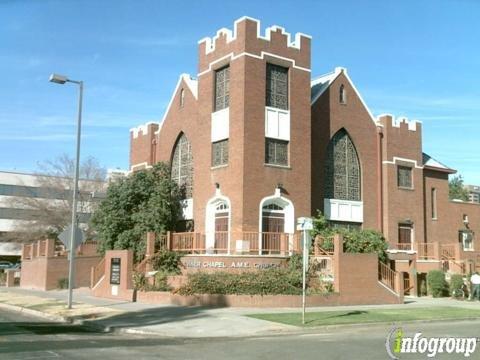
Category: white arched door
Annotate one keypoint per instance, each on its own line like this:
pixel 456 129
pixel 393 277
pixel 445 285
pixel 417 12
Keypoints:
pixel 276 224
pixel 217 226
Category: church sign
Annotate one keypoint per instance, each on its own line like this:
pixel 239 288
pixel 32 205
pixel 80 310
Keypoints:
pixel 115 271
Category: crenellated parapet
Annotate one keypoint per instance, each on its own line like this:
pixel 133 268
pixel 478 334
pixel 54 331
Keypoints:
pixel 143 141
pixel 247 39
pixel 402 138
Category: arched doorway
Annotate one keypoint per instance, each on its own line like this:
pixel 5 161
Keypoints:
pixel 277 224
pixel 217 225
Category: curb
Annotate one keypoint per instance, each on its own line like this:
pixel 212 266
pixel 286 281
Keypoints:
pixel 37 313
pixel 56 318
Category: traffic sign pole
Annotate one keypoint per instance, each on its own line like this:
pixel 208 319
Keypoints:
pixel 305 225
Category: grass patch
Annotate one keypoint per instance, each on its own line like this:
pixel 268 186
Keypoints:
pixel 324 318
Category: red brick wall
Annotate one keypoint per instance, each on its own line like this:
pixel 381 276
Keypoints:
pixel 125 290
pixel 43 273
pixel 328 117
pixel 402 205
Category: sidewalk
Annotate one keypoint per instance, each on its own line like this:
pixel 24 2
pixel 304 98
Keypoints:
pixel 164 320
pixel 176 321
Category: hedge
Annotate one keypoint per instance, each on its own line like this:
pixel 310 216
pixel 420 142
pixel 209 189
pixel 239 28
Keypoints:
pixel 265 282
pixel 437 285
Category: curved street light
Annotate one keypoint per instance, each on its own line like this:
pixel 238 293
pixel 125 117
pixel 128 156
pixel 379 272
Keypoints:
pixel 60 79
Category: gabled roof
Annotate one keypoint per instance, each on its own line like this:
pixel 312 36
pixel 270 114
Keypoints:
pixel 192 85
pixel 320 84
pixel 431 163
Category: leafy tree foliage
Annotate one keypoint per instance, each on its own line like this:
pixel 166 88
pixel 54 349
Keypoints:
pixel 145 201
pixel 355 241
pixel 457 189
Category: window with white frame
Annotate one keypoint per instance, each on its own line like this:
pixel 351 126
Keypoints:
pixel 434 203
pixel 277 87
pixel 466 238
pixel 405 236
pixel 220 153
pixel 404 177
pixel 276 152
pixel 222 88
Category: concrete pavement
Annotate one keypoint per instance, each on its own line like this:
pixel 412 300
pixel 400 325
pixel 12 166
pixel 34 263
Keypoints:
pixel 24 337
pixel 178 321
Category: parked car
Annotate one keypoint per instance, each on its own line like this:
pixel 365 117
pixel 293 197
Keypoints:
pixel 5 265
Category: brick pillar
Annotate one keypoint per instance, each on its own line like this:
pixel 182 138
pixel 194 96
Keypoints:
pixel 316 243
pixel 150 249
pixel 337 254
pixel 399 285
pixel 413 278
pixel 25 252
pixel 50 248
pixel 283 244
pixel 169 240
pixel 436 250
pixel 34 249
pixel 458 251
pixel 10 277
pixel 39 248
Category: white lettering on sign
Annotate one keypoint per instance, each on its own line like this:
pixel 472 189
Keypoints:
pixel 197 264
pixel 214 264
pixel 240 264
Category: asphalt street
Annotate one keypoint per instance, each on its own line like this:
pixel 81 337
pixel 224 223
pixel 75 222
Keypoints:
pixel 26 337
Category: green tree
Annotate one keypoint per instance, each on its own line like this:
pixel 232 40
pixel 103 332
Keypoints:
pixel 146 200
pixel 355 241
pixel 456 189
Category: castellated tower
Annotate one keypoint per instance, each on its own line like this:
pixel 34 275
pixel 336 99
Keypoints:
pixel 403 177
pixel 266 122
pixel 142 145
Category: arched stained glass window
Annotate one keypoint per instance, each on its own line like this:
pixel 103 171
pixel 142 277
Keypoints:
pixel 182 166
pixel 342 169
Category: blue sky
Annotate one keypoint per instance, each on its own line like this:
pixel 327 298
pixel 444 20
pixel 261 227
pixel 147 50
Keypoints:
pixel 418 59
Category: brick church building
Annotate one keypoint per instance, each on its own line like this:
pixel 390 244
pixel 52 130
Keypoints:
pixel 256 141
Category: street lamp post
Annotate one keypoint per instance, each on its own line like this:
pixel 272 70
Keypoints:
pixel 60 79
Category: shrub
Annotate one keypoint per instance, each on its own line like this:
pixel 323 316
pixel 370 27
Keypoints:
pixel 355 241
pixel 62 283
pixel 139 281
pixel 437 285
pixel 266 282
pixel 3 278
pixel 166 261
pixel 160 283
pixel 456 283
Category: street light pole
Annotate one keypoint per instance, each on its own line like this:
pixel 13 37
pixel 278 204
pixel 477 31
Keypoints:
pixel 59 79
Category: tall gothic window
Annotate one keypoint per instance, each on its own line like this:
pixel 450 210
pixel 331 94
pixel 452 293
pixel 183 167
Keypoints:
pixel 277 87
pixel 222 88
pixel 182 166
pixel 342 169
